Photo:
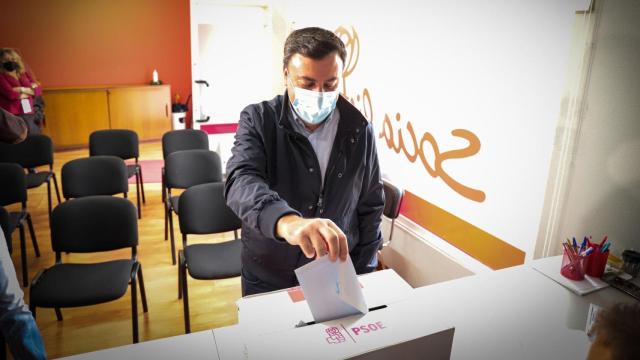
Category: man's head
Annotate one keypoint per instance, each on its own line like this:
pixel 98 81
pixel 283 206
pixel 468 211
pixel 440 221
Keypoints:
pixel 313 60
pixel 617 331
pixel 313 63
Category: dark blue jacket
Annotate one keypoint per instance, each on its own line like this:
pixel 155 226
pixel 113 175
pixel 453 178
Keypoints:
pixel 274 171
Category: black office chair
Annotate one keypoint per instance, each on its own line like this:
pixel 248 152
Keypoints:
pixel 13 189
pixel 87 225
pixel 34 151
pixel 123 144
pixel 178 140
pixel 203 210
pixel 392 201
pixel 184 169
pixel 96 175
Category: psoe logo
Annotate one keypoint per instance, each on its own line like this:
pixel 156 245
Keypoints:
pixel 335 335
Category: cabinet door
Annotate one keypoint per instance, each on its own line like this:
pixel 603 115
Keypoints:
pixel 71 115
pixel 145 110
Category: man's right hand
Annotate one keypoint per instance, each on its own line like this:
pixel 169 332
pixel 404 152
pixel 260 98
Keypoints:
pixel 316 237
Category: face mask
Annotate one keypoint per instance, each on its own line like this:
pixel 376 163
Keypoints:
pixel 314 106
pixel 10 65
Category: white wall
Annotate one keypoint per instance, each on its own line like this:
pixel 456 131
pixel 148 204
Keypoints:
pixel 603 196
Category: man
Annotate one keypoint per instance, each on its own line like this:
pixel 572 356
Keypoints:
pixel 303 176
pixel 17 326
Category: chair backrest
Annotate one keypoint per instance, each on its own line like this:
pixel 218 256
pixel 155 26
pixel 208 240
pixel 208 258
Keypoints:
pixel 96 175
pixel 94 223
pixel 203 210
pixel 117 142
pixel 35 150
pixel 186 139
pixel 13 184
pixel 392 199
pixel 187 168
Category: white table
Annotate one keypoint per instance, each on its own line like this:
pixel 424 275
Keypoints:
pixel 515 313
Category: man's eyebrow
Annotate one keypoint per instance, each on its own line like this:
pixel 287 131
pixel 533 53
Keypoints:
pixel 306 78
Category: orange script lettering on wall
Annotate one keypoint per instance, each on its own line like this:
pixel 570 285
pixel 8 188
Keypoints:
pixel 417 148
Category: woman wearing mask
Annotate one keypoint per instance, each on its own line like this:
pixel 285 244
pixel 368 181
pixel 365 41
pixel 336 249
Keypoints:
pixel 18 89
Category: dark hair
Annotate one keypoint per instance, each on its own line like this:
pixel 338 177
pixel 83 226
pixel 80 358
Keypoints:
pixel 619 329
pixel 313 42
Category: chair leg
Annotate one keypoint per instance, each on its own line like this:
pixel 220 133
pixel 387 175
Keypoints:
pixel 144 201
pixel 235 234
pixel 23 256
pixel 171 235
pixel 138 196
pixel 166 222
pixel 180 265
pixel 55 184
pixel 134 309
pixel 58 314
pixel 162 186
pixel 49 196
pixel 185 301
pixel 143 293
pixel 32 232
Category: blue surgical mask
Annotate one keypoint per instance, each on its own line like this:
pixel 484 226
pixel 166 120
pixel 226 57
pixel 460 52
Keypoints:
pixel 314 106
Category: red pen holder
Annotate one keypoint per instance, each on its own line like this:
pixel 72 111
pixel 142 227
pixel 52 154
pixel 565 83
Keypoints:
pixel 597 262
pixel 573 267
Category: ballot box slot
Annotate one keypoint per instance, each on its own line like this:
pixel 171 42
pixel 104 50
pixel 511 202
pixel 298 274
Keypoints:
pixel 302 323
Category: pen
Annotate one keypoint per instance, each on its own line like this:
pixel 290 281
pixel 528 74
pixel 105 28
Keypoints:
pixel 605 247
pixel 584 244
pixel 603 241
pixel 575 244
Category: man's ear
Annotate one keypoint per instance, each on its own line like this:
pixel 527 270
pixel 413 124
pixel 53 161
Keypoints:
pixel 285 73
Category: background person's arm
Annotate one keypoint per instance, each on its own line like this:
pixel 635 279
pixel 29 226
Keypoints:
pixel 17 324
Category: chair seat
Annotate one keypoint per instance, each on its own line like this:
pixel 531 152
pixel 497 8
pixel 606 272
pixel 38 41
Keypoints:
pixel 174 201
pixel 36 179
pixel 131 170
pixel 70 285
pixel 214 261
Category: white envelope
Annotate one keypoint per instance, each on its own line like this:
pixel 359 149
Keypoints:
pixel 331 289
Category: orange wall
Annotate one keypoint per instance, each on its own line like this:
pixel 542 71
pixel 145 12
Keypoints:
pixel 101 42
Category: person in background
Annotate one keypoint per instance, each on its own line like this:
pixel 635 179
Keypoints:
pixel 19 89
pixel 17 325
pixel 617 333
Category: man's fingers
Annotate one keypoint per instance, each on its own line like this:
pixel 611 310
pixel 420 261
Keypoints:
pixel 342 241
pixel 331 239
pixel 307 247
pixel 318 242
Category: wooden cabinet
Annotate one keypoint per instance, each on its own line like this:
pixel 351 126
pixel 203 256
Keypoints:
pixel 72 114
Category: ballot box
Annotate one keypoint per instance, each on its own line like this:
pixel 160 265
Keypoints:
pixel 279 325
pixel 392 331
pixel 284 309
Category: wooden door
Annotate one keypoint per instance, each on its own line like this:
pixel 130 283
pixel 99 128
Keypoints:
pixel 143 109
pixel 73 114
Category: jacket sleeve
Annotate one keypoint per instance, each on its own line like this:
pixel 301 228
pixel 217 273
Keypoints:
pixel 370 207
pixel 247 190
pixel 6 89
pixel 37 91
